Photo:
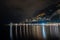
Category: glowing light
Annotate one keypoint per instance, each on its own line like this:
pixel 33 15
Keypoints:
pixel 11 37
pixel 40 15
pixel 16 29
pixel 43 31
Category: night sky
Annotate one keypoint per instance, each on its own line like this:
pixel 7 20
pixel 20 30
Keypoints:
pixel 19 10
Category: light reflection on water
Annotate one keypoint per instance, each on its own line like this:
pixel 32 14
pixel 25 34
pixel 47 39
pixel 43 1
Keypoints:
pixel 54 30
